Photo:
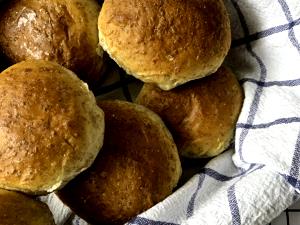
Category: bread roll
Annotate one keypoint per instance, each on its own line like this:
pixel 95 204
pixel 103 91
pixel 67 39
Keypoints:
pixel 137 167
pixel 64 31
pixel 201 114
pixel 51 127
pixel 168 42
pixel 18 209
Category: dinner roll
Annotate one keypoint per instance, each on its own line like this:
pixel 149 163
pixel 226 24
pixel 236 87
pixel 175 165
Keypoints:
pixel 18 209
pixel 51 127
pixel 201 114
pixel 64 31
pixel 137 167
pixel 168 42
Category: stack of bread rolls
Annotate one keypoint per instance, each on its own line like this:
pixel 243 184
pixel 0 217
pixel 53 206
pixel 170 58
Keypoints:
pixel 169 45
pixel 51 130
pixel 109 160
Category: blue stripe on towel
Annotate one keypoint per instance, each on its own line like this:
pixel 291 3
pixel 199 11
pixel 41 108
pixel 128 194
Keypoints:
pixel 191 205
pixel 259 89
pixel 233 205
pixel 291 180
pixel 143 221
pixel 289 17
pixel 294 172
pixel 223 178
pixel 284 83
pixel 270 124
pixel 220 177
pixel 266 33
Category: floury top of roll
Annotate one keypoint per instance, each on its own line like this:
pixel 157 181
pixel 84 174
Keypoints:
pixel 165 42
pixel 64 31
pixel 51 127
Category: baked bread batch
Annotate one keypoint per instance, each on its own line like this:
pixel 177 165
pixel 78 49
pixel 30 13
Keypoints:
pixel 109 160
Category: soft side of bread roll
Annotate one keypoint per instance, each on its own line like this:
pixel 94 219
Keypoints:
pixel 64 31
pixel 201 114
pixel 137 167
pixel 51 127
pixel 18 209
pixel 168 42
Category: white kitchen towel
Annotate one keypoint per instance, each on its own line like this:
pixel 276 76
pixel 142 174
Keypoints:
pixel 256 180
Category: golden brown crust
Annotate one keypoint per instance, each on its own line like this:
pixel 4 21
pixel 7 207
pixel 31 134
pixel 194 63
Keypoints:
pixel 64 31
pixel 137 167
pixel 166 42
pixel 51 127
pixel 201 114
pixel 18 209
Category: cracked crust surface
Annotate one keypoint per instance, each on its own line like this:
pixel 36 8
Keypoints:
pixel 137 167
pixel 64 31
pixel 165 42
pixel 51 127
pixel 201 114
pixel 18 209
